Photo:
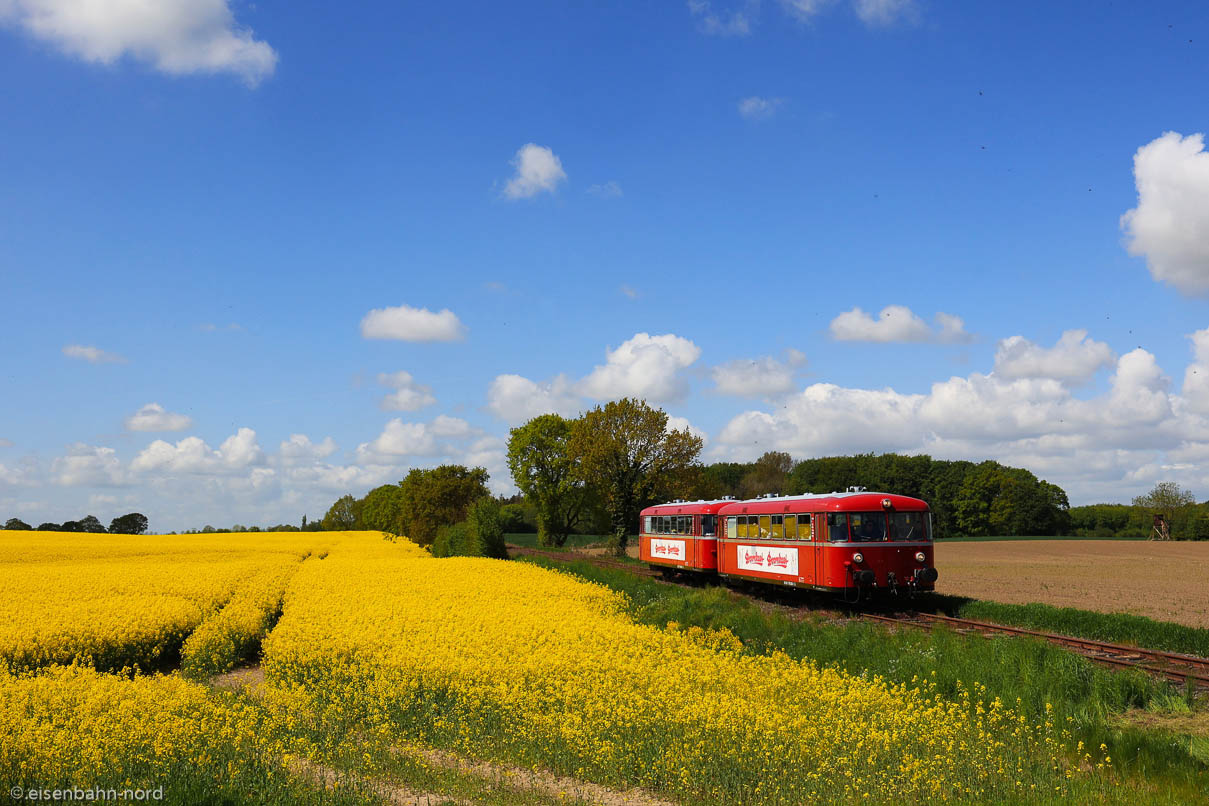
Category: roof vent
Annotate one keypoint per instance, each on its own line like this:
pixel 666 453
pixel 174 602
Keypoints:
pixel 855 489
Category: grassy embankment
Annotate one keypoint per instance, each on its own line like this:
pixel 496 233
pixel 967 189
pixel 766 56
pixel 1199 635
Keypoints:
pixel 1031 673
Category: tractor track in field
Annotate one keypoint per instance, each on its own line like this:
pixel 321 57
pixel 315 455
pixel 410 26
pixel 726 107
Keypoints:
pixel 1185 669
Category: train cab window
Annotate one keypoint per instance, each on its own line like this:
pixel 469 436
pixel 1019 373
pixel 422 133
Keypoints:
pixel 837 527
pixel 646 524
pixel 778 528
pixel 709 525
pixel 868 527
pixel 791 527
pixel 765 527
pixel 804 530
pixel 909 526
pixel 732 527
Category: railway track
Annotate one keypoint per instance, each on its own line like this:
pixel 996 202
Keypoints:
pixel 1169 665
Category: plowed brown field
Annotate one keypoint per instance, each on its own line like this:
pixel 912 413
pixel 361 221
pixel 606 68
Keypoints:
pixel 1162 580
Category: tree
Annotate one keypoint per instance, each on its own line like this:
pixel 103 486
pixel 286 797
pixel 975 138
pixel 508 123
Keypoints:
pixel 542 470
pixel 49 527
pixel 133 524
pixel 89 523
pixel 343 516
pixel 626 452
pixel 16 524
pixel 382 509
pixel 436 497
pixel 1165 498
pixel 769 474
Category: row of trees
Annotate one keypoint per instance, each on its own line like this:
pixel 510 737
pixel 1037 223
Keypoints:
pixel 134 523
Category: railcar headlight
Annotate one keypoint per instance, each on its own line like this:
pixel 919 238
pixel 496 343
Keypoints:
pixel 858 557
pixel 920 557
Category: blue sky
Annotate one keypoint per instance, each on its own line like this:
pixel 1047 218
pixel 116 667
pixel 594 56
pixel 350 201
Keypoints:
pixel 821 227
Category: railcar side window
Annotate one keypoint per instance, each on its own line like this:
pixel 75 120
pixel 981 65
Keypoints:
pixel 778 528
pixel 804 530
pixel 908 526
pixel 742 519
pixel 732 527
pixel 837 527
pixel 791 527
pixel 709 525
pixel 765 528
pixel 868 526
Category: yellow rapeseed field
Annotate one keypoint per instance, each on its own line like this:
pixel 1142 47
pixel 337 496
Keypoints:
pixel 115 601
pixel 380 645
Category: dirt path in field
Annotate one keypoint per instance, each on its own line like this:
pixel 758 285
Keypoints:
pixel 252 680
pixel 1161 580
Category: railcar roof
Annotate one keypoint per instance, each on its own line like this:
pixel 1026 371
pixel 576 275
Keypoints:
pixel 856 500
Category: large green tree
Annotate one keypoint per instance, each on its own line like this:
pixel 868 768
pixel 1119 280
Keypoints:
pixel 436 497
pixel 625 450
pixel 769 474
pixel 543 470
pixel 135 523
pixel 382 509
pixel 343 515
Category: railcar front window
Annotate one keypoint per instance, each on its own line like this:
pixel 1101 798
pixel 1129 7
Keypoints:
pixel 732 527
pixel 868 526
pixel 909 526
pixel 709 525
pixel 837 527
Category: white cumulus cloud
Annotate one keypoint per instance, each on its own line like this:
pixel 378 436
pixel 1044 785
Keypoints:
pixel 516 399
pixel 299 449
pixel 400 439
pixel 154 417
pixel 760 377
pixel 405 323
pixel 193 456
pixel 88 465
pixel 644 366
pixel 174 36
pixel 538 170
pixel 1170 225
pixel 1074 359
pixel 408 395
pixel 897 323
pixel 757 108
pixel 93 355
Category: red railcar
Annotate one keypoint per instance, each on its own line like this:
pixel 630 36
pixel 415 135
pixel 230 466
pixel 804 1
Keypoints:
pixel 852 543
pixel 681 535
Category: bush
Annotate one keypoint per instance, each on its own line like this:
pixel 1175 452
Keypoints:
pixel 488 527
pixel 480 535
